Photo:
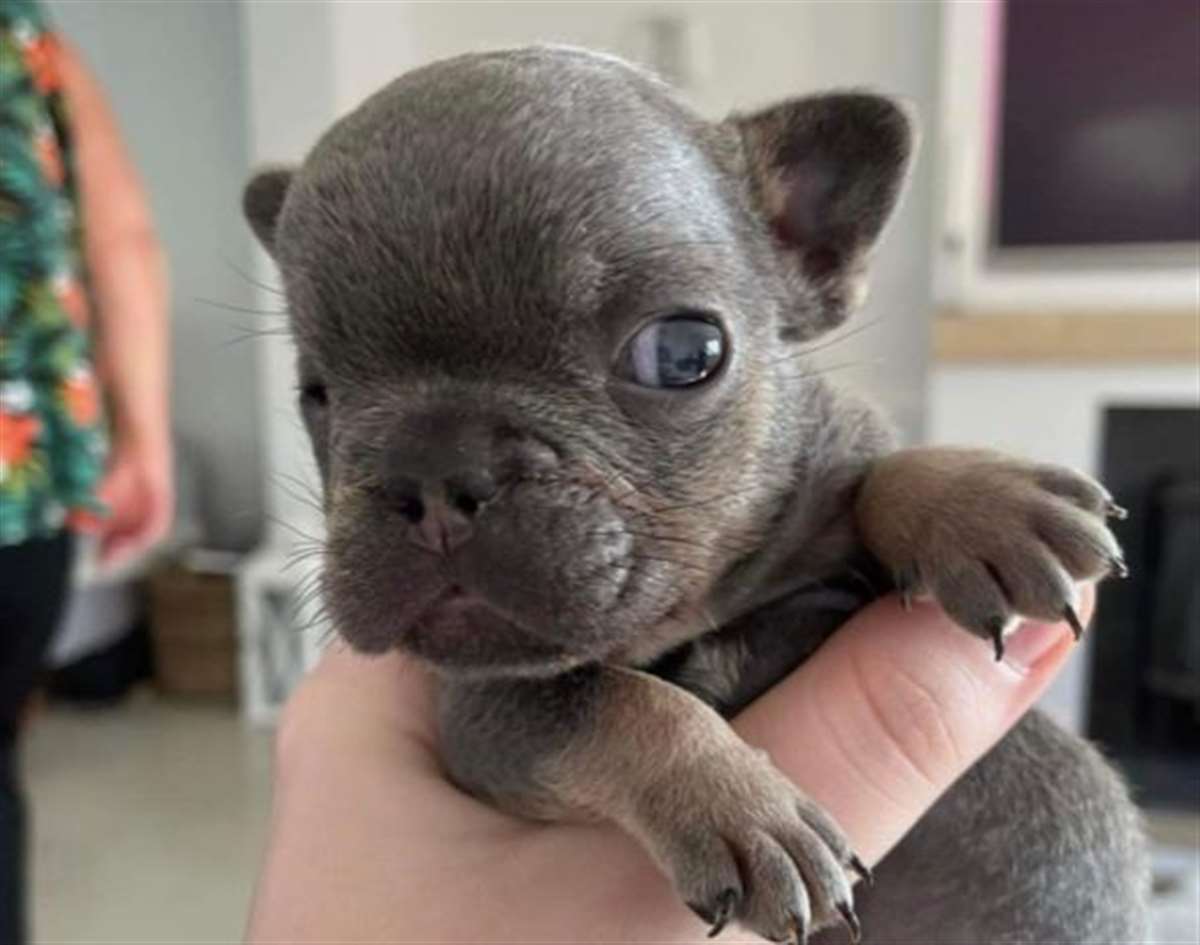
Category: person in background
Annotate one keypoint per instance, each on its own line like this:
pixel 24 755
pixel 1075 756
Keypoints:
pixel 84 427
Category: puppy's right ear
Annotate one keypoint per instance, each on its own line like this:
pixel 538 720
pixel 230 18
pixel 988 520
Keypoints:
pixel 263 199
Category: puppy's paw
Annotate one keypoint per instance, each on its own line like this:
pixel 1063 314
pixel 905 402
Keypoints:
pixel 742 844
pixel 994 539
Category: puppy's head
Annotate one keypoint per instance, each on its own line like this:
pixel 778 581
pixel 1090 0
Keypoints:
pixel 541 312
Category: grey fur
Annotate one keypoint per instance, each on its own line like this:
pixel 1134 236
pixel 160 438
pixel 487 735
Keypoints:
pixel 587 562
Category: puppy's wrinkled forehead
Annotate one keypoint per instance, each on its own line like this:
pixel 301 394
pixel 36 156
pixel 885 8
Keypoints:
pixel 477 195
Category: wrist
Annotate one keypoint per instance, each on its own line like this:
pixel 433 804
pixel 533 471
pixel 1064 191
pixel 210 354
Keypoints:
pixel 149 442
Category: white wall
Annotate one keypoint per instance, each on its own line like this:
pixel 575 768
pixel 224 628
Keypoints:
pixel 289 101
pixel 173 72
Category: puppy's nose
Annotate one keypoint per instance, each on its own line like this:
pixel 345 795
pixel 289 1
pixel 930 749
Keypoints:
pixel 440 515
pixel 442 466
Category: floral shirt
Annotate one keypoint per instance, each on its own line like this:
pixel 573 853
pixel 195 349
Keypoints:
pixel 52 432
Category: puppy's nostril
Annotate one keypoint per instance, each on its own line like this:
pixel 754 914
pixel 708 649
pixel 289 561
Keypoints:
pixel 411 508
pixel 468 493
pixel 466 504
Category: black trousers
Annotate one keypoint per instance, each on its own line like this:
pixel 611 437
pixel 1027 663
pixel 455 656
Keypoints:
pixel 33 588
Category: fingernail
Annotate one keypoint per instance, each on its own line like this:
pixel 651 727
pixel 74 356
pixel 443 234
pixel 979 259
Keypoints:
pixel 1032 642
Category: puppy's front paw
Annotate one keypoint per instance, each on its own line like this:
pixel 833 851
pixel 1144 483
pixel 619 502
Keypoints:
pixel 741 843
pixel 994 539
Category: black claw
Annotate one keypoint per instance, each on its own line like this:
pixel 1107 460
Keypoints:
pixel 1118 566
pixel 1112 510
pixel 1073 619
pixel 851 921
pixel 995 629
pixel 861 868
pixel 906 585
pixel 799 932
pixel 726 902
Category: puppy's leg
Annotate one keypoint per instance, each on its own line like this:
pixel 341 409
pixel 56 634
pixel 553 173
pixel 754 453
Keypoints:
pixel 990 537
pixel 1038 844
pixel 736 837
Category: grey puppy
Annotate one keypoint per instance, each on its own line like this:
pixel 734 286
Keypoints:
pixel 550 329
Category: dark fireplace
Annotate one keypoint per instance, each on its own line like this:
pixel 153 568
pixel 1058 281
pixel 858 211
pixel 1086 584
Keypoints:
pixel 1144 705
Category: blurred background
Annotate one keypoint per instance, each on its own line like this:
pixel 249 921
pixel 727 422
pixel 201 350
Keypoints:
pixel 1037 292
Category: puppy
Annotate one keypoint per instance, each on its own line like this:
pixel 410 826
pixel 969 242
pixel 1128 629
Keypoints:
pixel 550 330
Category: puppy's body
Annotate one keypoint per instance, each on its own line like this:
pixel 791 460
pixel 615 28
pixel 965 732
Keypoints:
pixel 570 458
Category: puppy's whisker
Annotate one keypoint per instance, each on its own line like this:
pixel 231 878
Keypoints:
pixel 230 264
pixel 298 532
pixel 829 342
pixel 684 566
pixel 725 495
pixel 244 335
pixel 239 309
pixel 722 543
pixel 305 548
pixel 834 368
pixel 299 490
pixel 675 541
pixel 297 561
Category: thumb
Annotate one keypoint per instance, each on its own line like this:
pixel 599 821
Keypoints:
pixel 894 707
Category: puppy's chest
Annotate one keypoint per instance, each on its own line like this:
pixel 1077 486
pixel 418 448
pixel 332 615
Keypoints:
pixel 730 667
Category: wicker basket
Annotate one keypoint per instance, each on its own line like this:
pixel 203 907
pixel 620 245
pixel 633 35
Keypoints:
pixel 193 628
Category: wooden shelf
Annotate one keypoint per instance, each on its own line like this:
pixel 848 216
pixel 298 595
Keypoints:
pixel 1067 337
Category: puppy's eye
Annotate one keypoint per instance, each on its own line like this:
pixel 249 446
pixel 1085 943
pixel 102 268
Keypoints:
pixel 676 351
pixel 313 395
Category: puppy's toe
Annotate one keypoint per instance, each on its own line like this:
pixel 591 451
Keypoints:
pixel 972 593
pixel 1032 581
pixel 1081 541
pixel 706 874
pixel 824 872
pixel 778 906
pixel 1076 487
pixel 718 911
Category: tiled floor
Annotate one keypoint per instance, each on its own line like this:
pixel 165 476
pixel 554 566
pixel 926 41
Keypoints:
pixel 150 820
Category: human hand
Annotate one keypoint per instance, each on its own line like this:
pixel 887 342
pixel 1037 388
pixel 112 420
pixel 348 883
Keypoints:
pixel 371 843
pixel 139 491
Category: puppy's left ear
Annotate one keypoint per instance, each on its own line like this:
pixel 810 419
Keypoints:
pixel 262 200
pixel 827 171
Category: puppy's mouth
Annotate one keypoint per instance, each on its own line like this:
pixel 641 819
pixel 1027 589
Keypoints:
pixel 460 630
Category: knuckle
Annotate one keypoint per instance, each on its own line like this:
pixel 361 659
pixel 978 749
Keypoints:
pixel 922 724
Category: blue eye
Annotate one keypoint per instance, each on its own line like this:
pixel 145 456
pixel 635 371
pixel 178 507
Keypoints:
pixel 676 351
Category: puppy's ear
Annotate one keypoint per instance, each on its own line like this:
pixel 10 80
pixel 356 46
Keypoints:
pixel 263 199
pixel 827 171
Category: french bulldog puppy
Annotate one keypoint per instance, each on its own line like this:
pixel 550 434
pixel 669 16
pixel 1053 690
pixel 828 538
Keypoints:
pixel 551 336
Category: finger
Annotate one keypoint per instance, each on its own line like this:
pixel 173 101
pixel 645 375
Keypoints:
pixel 888 713
pixel 131 532
pixel 120 542
pixel 117 546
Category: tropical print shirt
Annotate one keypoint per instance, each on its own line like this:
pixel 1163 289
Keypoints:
pixel 52 432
